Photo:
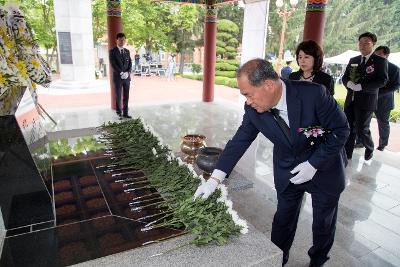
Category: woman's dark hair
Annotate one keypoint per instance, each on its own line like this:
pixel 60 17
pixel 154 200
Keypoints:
pixel 368 35
pixel 311 48
pixel 257 71
pixel 384 48
pixel 120 35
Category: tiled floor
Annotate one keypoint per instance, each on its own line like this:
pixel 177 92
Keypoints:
pixel 368 230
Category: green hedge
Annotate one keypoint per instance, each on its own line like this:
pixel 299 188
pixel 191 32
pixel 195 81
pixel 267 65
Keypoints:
pixel 220 50
pixel 223 36
pixel 229 61
pixel 197 77
pixel 221 43
pixel 233 42
pixel 225 66
pixel 229 74
pixel 231 82
pixel 230 49
pixel 394 114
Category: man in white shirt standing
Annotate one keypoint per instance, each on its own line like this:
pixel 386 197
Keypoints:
pixel 286 112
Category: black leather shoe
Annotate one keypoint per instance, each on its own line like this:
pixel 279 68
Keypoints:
pixel 368 154
pixel 381 148
pixel 285 258
pixel 127 116
pixel 313 264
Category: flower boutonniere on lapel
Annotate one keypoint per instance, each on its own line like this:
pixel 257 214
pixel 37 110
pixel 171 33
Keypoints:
pixel 315 134
pixel 370 69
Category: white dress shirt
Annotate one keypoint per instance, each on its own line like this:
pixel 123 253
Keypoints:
pixel 282 107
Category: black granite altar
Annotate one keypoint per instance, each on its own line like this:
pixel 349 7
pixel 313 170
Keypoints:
pixel 78 242
pixel 96 214
pixel 25 180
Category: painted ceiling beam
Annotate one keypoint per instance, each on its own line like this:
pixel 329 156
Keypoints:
pixel 199 2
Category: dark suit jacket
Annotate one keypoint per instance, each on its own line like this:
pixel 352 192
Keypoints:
pixel 120 63
pixel 372 77
pixel 308 105
pixel 386 93
pixel 320 77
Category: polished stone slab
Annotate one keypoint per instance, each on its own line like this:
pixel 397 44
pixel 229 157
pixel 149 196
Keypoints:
pixel 252 249
pixel 374 187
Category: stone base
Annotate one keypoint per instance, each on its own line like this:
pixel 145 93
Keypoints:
pixel 252 249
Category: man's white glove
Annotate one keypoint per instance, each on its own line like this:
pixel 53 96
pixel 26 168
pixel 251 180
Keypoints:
pixel 206 189
pixel 305 173
pixel 124 75
pixel 353 86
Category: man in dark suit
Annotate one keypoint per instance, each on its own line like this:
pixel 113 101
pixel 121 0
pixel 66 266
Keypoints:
pixel 386 98
pixel 299 166
pixel 121 64
pixel 363 77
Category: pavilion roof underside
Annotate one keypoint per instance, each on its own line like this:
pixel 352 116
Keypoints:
pixel 199 2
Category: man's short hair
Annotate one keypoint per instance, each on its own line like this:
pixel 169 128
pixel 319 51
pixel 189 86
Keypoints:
pixel 384 48
pixel 120 35
pixel 369 35
pixel 257 71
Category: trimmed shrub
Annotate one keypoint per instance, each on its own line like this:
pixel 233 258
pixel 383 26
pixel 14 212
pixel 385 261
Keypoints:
pixel 225 66
pixel 230 49
pixel 228 74
pixel 230 55
pixel 197 77
pixel 225 25
pixel 229 61
pixel 196 68
pixel 221 43
pixel 223 36
pixel 220 50
pixel 233 42
pixel 394 115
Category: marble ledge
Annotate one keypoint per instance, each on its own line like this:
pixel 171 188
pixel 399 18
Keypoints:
pixel 251 249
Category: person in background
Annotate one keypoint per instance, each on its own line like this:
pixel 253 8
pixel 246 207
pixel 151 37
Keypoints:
pixel 171 67
pixel 386 98
pixel 285 71
pixel 278 109
pixel 309 57
pixel 137 61
pixel 363 77
pixel 121 64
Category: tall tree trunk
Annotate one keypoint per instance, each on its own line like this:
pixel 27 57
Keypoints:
pixel 181 61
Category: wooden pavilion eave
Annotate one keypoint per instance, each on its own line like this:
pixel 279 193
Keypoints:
pixel 199 2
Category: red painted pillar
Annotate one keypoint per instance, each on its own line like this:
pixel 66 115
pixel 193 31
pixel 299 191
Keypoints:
pixel 114 26
pixel 210 44
pixel 314 23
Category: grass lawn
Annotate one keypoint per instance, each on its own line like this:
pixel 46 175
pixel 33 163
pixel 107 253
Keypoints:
pixel 341 91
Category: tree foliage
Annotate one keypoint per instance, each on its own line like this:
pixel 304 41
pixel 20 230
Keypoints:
pixel 345 21
pixel 99 19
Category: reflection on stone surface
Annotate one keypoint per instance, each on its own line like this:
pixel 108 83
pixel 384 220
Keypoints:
pixel 370 201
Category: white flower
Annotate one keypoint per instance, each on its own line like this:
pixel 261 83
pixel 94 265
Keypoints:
pixel 235 217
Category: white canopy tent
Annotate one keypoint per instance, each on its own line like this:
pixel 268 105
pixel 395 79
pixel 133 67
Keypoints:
pixel 345 57
pixel 342 58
